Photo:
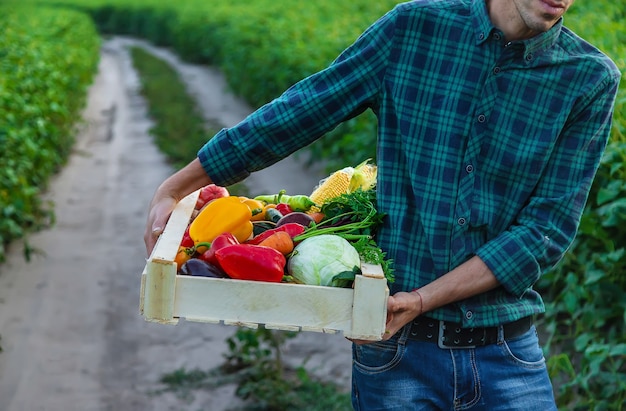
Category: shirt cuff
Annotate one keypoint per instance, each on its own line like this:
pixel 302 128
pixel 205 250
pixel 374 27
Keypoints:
pixel 221 162
pixel 515 268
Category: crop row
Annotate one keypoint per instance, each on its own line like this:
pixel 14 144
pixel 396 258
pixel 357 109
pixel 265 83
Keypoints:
pixel 47 59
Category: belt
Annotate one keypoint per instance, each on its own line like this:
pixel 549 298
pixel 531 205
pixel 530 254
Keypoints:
pixel 452 335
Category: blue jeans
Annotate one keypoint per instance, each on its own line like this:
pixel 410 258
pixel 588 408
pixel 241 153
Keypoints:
pixel 406 374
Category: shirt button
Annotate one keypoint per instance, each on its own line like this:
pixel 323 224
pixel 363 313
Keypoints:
pixel 497 36
pixel 529 57
pixel 461 221
pixel 469 314
pixel 482 118
pixel 469 168
pixel 481 36
pixel 496 70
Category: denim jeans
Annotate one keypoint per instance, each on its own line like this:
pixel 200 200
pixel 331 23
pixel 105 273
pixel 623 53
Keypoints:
pixel 405 374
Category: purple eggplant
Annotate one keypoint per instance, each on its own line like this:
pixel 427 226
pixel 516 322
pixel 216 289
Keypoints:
pixel 200 268
pixel 295 217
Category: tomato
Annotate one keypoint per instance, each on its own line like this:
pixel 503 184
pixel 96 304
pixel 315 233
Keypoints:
pixel 210 192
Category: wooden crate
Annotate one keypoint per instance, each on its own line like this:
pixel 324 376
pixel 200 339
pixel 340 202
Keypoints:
pixel 359 312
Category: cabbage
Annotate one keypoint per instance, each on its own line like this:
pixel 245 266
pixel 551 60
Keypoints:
pixel 318 259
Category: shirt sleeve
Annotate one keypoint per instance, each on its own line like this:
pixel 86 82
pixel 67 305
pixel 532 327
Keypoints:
pixel 303 113
pixel 547 225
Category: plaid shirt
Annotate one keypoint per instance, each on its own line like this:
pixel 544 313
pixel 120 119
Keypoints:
pixel 485 147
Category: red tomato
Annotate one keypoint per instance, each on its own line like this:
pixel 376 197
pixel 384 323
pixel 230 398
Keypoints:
pixel 210 192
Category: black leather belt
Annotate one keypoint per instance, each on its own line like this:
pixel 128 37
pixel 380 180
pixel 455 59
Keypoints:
pixel 452 335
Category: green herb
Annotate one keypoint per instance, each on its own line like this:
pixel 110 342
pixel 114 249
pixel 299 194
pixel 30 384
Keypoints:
pixel 372 254
pixel 354 217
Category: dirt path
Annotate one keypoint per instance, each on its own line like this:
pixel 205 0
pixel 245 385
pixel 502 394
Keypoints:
pixel 71 332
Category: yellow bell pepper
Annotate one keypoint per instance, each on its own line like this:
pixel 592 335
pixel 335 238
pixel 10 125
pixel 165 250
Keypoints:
pixel 226 214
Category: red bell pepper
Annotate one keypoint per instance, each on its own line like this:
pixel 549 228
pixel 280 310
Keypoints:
pixel 223 240
pixel 284 208
pixel 252 262
pixel 293 229
pixel 186 241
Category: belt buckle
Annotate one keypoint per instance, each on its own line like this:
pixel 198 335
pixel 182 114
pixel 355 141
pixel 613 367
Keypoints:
pixel 441 341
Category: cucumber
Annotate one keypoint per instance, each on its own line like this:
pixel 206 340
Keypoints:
pixel 259 226
pixel 273 215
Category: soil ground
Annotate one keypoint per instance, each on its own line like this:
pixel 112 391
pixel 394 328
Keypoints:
pixel 71 331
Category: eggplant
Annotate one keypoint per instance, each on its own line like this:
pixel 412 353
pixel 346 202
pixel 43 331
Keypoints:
pixel 296 217
pixel 200 268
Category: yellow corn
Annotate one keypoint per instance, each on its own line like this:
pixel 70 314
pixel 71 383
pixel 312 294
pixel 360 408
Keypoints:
pixel 364 177
pixel 344 181
pixel 332 186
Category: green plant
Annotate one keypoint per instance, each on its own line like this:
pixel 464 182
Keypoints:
pixel 47 59
pixel 179 129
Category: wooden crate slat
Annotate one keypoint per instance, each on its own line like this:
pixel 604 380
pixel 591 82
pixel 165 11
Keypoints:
pixel 168 242
pixel 369 311
pixel 160 283
pixel 242 324
pixel 372 270
pixel 273 304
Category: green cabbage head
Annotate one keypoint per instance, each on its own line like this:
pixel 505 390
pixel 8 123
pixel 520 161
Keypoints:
pixel 319 259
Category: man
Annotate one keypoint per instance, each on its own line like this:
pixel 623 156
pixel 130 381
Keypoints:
pixel 493 118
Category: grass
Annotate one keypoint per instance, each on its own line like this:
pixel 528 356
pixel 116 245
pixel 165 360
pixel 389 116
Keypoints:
pixel 179 129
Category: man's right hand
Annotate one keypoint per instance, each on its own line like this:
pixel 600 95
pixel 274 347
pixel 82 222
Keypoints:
pixel 168 194
pixel 159 213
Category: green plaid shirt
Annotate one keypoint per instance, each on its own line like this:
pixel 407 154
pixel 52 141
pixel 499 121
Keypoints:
pixel 485 147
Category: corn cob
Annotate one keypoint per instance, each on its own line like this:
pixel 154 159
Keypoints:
pixel 344 181
pixel 364 177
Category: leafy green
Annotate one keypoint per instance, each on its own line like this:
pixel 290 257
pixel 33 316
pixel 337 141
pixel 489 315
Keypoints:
pixel 354 217
pixel 327 260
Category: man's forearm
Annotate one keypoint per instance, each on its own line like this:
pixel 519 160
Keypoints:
pixel 470 278
pixel 183 182
pixel 171 191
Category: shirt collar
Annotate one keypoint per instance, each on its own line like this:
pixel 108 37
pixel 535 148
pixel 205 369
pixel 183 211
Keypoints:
pixel 480 19
pixel 483 27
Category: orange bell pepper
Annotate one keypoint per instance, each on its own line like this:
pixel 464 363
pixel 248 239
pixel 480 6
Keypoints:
pixel 256 207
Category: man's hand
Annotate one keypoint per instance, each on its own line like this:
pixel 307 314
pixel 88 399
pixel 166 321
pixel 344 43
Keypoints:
pixel 159 213
pixel 468 279
pixel 402 308
pixel 170 192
